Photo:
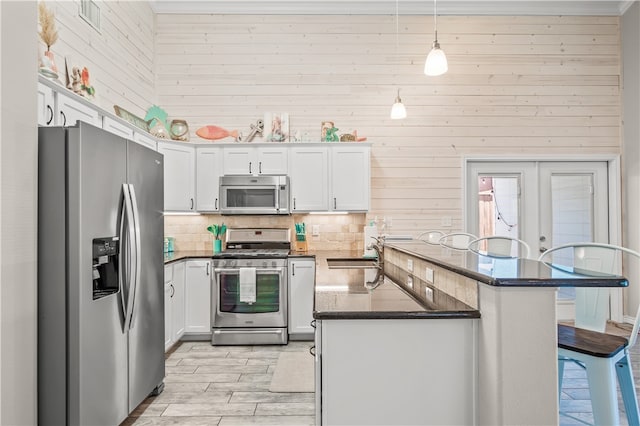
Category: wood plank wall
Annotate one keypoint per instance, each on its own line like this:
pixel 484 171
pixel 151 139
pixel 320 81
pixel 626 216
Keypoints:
pixel 120 57
pixel 517 85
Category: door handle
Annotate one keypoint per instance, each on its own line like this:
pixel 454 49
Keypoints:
pixel 207 268
pixel 216 205
pixel 249 167
pixel 543 249
pixel 173 290
pixel 294 203
pixel 293 269
pixel 191 208
pixel 260 167
pixel 64 118
pixel 335 203
pixel 51 114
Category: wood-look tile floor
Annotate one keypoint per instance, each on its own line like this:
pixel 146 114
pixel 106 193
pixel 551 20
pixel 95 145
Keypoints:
pixel 229 385
pixel 224 385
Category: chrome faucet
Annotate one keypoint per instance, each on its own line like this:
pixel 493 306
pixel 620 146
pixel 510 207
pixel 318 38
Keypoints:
pixel 378 246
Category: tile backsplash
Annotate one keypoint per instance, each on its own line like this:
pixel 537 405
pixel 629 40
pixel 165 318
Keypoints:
pixel 337 232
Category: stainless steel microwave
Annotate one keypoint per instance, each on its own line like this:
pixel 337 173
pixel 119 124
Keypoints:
pixel 263 194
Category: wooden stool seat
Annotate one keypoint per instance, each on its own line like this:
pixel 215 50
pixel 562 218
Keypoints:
pixel 589 342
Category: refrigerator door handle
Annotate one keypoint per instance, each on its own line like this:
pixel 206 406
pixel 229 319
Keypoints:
pixel 123 253
pixel 130 255
pixel 137 254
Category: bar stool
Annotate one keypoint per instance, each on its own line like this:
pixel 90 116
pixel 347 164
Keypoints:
pixel 457 240
pixel 431 237
pixel 604 356
pixel 498 246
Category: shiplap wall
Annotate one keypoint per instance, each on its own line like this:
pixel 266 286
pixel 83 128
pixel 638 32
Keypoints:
pixel 119 57
pixel 516 85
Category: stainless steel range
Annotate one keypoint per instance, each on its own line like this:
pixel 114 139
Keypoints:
pixel 249 288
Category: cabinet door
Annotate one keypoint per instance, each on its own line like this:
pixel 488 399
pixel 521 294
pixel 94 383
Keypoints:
pixel 70 110
pixel 302 276
pixel 273 161
pixel 168 323
pixel 208 170
pixel 168 302
pixel 117 128
pixel 45 105
pixel 198 296
pixel 144 139
pixel 179 176
pixel 350 170
pixel 177 308
pixel 309 179
pixel 239 161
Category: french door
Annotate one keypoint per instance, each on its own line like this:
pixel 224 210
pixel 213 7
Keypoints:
pixel 544 203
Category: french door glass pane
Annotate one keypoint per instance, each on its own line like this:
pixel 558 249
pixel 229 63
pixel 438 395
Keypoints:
pixel 498 207
pixel 571 217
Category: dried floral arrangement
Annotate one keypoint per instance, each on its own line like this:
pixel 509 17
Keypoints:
pixel 48 33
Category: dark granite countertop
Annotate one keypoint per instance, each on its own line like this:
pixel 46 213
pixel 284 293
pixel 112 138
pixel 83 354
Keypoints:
pixel 174 256
pixel 506 272
pixel 352 294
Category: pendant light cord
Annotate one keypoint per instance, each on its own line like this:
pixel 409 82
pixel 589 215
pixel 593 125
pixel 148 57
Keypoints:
pixel 435 18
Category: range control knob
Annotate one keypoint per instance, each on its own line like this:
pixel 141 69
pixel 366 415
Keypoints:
pixel 264 264
pixel 273 263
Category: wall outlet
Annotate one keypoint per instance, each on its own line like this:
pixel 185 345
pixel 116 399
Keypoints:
pixel 410 265
pixel 315 230
pixel 429 293
pixel 428 276
pixel 410 282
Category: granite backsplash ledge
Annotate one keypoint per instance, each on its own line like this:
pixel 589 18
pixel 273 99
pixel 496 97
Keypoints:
pixel 337 232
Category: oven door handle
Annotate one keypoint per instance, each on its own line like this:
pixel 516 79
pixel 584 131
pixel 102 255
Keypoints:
pixel 252 331
pixel 258 270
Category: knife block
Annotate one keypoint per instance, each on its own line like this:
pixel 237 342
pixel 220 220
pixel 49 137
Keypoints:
pixel 300 246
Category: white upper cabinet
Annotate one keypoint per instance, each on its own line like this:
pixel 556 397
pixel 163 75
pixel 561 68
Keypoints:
pixel 350 178
pixel 111 125
pixel 208 171
pixel 45 105
pixel 308 170
pixel 144 139
pixel 69 111
pixel 252 160
pixel 179 176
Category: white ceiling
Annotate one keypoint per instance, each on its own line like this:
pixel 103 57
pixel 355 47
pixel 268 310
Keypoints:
pixel 385 7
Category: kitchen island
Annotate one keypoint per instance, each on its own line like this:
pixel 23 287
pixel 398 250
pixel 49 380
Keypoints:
pixel 488 358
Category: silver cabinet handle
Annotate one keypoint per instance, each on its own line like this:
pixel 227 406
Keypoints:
pixel 216 205
pixel 335 203
pixel 294 203
pixel 51 114
pixel 293 269
pixel 207 268
pixel 260 167
pixel 64 118
pixel 313 323
pixel 312 350
pixel 191 208
pixel 173 290
pixel 249 167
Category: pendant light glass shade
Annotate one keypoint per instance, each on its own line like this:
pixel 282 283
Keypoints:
pixel 436 63
pixel 398 111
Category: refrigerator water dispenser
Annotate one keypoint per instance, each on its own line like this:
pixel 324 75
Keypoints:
pixel 105 267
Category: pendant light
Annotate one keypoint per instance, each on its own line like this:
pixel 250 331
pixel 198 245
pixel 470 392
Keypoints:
pixel 398 111
pixel 436 63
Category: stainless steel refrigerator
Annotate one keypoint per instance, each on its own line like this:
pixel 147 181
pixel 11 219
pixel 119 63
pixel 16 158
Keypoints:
pixel 100 276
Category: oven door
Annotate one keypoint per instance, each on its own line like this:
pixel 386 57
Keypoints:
pixel 269 309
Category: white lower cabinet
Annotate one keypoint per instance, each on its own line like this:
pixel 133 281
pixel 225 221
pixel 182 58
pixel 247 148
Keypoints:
pixel 302 274
pixel 396 371
pixel 198 297
pixel 174 303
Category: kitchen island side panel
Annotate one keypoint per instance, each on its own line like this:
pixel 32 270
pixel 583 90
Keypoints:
pixel 382 372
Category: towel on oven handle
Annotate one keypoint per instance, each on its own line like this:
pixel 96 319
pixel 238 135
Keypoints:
pixel 248 285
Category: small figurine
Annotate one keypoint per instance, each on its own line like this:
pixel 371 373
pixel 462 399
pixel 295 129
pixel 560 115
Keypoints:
pixel 76 81
pixel 257 128
pixel 215 132
pixel 86 85
pixel 331 135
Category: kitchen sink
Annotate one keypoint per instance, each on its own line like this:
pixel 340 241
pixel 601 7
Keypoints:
pixel 352 263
